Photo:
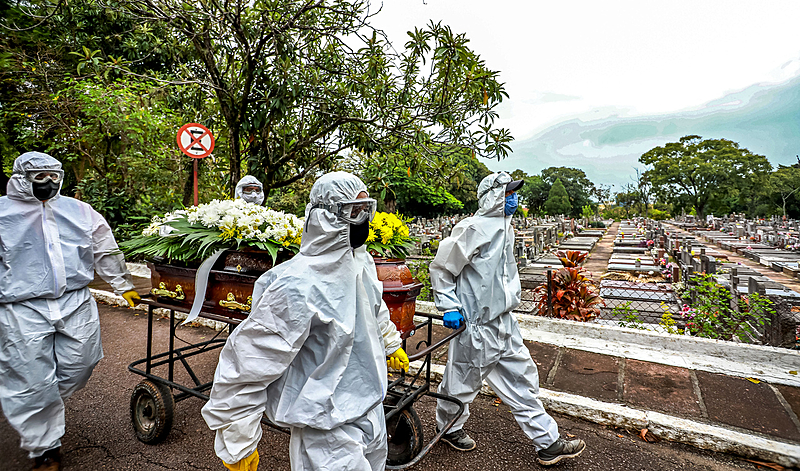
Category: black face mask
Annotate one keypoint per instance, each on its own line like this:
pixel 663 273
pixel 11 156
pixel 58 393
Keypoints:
pixel 359 234
pixel 45 191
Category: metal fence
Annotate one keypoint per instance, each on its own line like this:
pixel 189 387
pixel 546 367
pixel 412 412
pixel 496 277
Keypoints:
pixel 647 306
pixel 657 307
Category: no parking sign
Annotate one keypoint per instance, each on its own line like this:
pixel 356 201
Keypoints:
pixel 195 140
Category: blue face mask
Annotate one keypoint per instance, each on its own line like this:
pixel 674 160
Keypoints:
pixel 511 204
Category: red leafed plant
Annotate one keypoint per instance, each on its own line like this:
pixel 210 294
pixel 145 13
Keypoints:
pixel 572 258
pixel 574 295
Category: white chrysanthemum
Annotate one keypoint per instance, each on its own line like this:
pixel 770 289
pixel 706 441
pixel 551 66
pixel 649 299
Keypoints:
pixel 236 219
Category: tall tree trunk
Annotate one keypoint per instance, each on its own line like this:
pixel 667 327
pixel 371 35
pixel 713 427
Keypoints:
pixel 235 159
pixel 391 206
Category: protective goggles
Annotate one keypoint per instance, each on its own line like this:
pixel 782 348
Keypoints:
pixel 41 175
pixel 352 212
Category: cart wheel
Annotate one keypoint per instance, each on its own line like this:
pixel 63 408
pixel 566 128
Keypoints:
pixel 405 437
pixel 151 411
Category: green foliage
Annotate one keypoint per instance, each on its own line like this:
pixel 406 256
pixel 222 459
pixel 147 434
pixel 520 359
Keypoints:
pixel 533 193
pixel 658 215
pixel 667 321
pixel 785 183
pixel 587 211
pixel 704 173
pixel 578 187
pixel 401 185
pixel 299 83
pixel 421 272
pixel 628 316
pixel 557 201
pixel 117 141
pixel 627 199
pixel 711 315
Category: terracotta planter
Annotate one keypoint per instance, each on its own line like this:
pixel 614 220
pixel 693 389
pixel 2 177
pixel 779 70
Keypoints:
pixel 400 291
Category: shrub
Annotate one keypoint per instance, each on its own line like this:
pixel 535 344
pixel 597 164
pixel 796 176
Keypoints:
pixel 628 316
pixel 711 315
pixel 574 296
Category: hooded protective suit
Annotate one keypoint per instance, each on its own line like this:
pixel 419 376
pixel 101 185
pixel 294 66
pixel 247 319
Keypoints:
pixel 49 325
pixel 474 272
pixel 249 180
pixel 312 352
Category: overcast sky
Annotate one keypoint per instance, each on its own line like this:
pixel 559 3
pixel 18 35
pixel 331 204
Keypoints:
pixel 589 60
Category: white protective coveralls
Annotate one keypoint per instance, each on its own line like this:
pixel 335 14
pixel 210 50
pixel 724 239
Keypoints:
pixel 474 272
pixel 249 180
pixel 49 325
pixel 312 352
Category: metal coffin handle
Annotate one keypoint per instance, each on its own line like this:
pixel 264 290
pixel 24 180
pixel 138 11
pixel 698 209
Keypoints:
pixel 164 292
pixel 231 303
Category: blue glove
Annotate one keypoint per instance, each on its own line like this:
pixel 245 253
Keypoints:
pixel 453 319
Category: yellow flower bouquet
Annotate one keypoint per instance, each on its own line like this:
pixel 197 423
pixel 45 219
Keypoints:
pixel 388 236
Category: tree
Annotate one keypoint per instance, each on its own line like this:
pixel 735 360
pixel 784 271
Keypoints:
pixel 533 193
pixel 558 201
pixel 115 136
pixel 785 181
pixel 604 195
pixel 696 173
pixel 627 198
pixel 578 186
pixel 298 83
pixel 643 189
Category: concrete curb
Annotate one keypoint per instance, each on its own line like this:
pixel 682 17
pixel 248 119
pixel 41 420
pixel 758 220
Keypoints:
pixel 675 429
pixel 769 364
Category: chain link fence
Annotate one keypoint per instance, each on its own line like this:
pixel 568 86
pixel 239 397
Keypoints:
pixel 656 307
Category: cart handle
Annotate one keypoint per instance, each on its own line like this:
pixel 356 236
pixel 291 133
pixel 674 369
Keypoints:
pixel 427 351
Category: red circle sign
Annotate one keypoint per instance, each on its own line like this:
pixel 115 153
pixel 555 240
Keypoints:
pixel 195 140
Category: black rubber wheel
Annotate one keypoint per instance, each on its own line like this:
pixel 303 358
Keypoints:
pixel 404 436
pixel 152 407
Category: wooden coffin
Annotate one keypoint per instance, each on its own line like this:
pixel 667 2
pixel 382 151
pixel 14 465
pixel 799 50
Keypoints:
pixel 230 286
pixel 230 283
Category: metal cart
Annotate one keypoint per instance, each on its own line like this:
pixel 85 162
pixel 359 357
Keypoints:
pixel 153 400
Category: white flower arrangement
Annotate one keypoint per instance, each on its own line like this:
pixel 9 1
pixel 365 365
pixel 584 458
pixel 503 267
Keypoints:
pixel 193 233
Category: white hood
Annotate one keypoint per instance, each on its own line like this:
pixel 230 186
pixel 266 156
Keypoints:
pixel 492 194
pixel 19 188
pixel 249 180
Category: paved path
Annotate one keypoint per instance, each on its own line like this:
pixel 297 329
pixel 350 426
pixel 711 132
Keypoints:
pixel 601 254
pixel 99 433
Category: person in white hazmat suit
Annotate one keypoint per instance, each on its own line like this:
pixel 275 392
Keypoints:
pixel 475 280
pixel 250 190
pixel 50 248
pixel 312 354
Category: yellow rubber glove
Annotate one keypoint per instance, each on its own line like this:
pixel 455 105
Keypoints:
pixel 130 296
pixel 398 360
pixel 245 464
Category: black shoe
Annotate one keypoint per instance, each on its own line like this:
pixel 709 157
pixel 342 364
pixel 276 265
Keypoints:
pixel 459 440
pixel 560 450
pixel 49 461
